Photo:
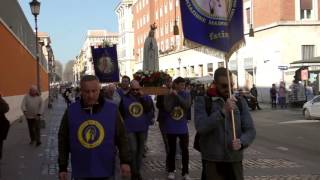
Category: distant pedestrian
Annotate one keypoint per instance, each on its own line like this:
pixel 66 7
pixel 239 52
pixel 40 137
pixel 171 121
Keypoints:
pixel 282 94
pixel 4 123
pixel 77 94
pixel 32 108
pixel 273 96
pixel 254 92
pixel 68 96
pixel 110 93
pixel 137 112
pixel 91 131
pixel 176 105
pixel 222 155
pixel 124 86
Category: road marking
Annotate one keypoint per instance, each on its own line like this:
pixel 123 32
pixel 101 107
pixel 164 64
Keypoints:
pixel 282 148
pixel 299 121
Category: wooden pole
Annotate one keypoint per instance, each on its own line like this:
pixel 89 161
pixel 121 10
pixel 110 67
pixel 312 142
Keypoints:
pixel 230 94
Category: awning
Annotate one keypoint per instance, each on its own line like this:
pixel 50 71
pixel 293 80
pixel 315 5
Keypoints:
pixel 309 62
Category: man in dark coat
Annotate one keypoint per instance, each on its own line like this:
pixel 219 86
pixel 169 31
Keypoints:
pixel 4 123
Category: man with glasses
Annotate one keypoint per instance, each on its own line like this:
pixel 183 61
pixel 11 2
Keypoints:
pixel 137 111
pixel 221 153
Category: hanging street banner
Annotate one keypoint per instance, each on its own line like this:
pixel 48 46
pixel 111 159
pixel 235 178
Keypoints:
pixel 213 24
pixel 105 62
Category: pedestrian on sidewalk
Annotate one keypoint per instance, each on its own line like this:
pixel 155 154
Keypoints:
pixel 222 155
pixel 32 108
pixel 176 105
pixel 137 111
pixel 161 115
pixel 254 92
pixel 4 123
pixel 282 94
pixel 91 129
pixel 273 96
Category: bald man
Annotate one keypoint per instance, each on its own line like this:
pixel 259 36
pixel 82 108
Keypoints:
pixel 137 111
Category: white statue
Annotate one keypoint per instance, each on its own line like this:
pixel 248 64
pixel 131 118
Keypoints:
pixel 150 52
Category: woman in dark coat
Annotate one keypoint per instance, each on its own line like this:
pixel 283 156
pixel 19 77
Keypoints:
pixel 4 123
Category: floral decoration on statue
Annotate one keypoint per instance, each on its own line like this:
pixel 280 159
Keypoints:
pixel 151 79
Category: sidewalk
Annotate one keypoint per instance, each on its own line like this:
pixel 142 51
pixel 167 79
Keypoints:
pixel 22 161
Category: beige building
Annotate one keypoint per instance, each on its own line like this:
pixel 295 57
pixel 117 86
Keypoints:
pixel 284 32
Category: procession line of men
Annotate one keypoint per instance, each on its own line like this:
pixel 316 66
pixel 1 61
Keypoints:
pixel 95 130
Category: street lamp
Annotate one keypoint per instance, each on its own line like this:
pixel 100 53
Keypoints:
pixel 35 9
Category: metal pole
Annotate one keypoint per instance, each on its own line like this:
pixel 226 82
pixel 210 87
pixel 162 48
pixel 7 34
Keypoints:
pixel 37 55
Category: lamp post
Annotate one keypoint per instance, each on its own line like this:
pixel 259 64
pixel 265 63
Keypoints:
pixel 35 9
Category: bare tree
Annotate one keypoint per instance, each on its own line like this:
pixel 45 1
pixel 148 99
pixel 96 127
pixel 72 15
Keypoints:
pixel 68 71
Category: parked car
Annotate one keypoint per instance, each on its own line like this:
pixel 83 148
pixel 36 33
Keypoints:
pixel 311 109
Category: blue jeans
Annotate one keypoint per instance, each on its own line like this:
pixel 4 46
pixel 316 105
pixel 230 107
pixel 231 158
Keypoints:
pixel 136 147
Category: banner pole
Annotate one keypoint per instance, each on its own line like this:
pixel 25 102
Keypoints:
pixel 230 94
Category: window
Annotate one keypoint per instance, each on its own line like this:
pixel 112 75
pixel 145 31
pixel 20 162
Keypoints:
pixel 166 28
pixel 165 9
pixel 177 3
pixel 148 18
pixel 157 16
pixel 306 8
pixel 161 31
pixel 170 5
pixel 167 44
pixel 248 14
pixel 143 1
pixel 210 67
pixel 307 52
pixel 160 11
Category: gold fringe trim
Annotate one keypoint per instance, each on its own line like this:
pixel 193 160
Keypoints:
pixel 214 52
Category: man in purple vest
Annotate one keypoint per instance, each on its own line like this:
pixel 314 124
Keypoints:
pixel 176 105
pixel 91 130
pixel 137 111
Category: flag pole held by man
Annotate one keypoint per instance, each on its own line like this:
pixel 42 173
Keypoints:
pixel 229 128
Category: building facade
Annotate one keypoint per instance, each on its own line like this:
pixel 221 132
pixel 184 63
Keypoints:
pixel 284 32
pixel 84 63
pixel 174 58
pixel 126 37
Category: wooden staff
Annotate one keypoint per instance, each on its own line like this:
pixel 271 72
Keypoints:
pixel 230 94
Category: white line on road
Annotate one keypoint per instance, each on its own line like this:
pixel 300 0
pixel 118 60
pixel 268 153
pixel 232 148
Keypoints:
pixel 282 148
pixel 299 121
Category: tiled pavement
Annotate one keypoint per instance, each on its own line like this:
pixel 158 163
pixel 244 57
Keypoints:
pixel 22 161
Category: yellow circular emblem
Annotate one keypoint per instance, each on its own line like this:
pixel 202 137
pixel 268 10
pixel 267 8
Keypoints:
pixel 177 113
pixel 136 109
pixel 90 134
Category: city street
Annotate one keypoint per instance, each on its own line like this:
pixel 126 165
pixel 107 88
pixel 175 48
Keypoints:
pixel 286 148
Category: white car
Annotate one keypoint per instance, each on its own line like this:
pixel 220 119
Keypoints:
pixel 311 109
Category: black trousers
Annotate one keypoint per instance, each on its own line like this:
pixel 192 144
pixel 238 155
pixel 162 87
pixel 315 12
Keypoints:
pixel 223 170
pixel 274 102
pixel 1 146
pixel 34 129
pixel 171 157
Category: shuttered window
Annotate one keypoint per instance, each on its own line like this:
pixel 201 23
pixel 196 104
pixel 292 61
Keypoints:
pixel 306 4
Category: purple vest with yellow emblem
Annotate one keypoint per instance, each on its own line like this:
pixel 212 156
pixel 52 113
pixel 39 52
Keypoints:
pixel 92 141
pixel 176 121
pixel 135 118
